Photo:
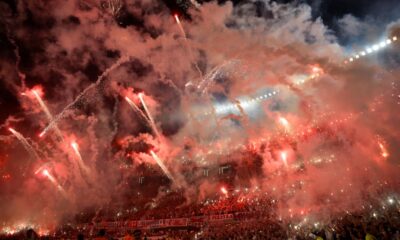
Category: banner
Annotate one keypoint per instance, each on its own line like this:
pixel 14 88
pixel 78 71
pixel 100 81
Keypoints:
pixel 164 223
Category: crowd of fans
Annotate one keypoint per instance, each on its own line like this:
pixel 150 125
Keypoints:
pixel 252 218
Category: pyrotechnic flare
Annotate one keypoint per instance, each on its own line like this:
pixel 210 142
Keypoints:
pixel 136 108
pixel 74 146
pixel 384 151
pixel 180 25
pixel 224 191
pixel 28 147
pixel 54 181
pixel 284 158
pixel 187 44
pixel 48 114
pixel 285 123
pixel 162 166
pixel 150 118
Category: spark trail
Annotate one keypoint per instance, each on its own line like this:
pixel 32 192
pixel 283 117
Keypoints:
pixel 285 123
pixel 47 112
pixel 136 108
pixel 162 166
pixel 28 147
pixel 54 181
pixel 189 49
pixel 284 158
pixel 82 95
pixel 178 21
pixel 150 118
pixel 82 165
pixel 210 76
pixel 384 151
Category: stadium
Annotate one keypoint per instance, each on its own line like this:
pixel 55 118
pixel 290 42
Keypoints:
pixel 190 119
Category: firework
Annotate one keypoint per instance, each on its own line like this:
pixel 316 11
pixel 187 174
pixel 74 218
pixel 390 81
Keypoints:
pixel 136 108
pixel 384 152
pixel 82 95
pixel 52 179
pixel 47 112
pixel 149 117
pixel 284 158
pixel 224 191
pixel 82 165
pixel 162 166
pixel 285 123
pixel 28 147
pixel 214 73
pixel 180 25
pixel 191 56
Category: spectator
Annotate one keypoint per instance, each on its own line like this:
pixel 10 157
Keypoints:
pixel 31 234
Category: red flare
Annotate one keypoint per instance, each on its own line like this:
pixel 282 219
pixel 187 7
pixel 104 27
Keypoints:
pixel 384 151
pixel 224 191
pixel 46 172
pixel 42 134
pixel 74 145
pixel 177 18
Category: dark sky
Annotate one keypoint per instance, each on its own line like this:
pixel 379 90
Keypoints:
pixel 377 13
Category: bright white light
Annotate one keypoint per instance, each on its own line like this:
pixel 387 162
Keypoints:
pixel 224 108
pixel 373 48
pixel 46 173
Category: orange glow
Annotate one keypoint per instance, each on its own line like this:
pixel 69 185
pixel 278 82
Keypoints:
pixel 35 92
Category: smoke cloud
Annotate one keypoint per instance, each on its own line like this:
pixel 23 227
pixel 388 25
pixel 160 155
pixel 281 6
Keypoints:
pixel 328 143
